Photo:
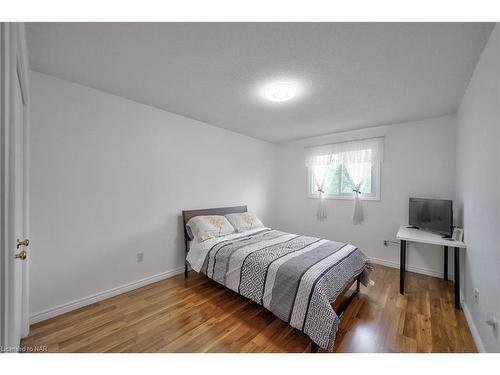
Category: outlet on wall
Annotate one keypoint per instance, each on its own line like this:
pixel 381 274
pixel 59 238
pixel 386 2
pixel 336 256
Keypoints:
pixel 140 256
pixel 476 296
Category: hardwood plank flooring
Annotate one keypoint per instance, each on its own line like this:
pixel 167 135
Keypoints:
pixel 198 315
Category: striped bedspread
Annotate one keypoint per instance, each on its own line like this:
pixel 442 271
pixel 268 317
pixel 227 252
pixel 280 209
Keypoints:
pixel 295 277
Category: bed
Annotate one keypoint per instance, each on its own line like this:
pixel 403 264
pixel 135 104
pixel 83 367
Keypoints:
pixel 305 281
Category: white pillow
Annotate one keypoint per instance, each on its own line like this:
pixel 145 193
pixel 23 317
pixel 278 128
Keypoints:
pixel 205 227
pixel 244 221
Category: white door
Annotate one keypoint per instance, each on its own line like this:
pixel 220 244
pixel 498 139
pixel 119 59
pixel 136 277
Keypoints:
pixel 20 247
pixel 14 322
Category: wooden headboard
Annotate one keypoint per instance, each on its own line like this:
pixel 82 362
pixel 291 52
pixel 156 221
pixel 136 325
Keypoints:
pixel 186 215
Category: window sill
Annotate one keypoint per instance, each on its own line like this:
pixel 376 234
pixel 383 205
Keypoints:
pixel 345 197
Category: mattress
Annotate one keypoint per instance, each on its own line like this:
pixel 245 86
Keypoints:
pixel 295 277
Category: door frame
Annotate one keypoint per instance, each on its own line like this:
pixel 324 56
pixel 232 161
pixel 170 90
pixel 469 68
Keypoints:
pixel 13 66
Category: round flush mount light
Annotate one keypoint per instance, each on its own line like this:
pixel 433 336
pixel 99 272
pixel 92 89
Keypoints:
pixel 280 91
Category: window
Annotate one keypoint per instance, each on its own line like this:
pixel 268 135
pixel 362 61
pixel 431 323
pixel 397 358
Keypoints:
pixel 339 184
pixel 339 170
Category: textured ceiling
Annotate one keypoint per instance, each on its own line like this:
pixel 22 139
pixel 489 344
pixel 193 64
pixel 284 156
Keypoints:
pixel 353 75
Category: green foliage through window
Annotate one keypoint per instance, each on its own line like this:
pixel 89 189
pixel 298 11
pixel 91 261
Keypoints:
pixel 339 180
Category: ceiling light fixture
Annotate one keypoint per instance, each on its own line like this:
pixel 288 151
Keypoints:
pixel 280 91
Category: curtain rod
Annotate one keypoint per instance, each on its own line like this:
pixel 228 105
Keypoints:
pixel 335 143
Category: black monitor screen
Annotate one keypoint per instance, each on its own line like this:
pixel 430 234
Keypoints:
pixel 435 215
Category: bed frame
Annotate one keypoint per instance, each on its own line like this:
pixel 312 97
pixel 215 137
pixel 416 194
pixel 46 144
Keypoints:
pixel 339 305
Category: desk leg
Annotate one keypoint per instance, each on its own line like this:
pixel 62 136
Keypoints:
pixel 402 267
pixel 457 278
pixel 445 263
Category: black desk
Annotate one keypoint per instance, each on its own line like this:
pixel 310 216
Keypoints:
pixel 406 234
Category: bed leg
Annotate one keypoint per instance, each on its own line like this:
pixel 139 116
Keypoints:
pixel 314 347
pixel 358 283
pixel 185 270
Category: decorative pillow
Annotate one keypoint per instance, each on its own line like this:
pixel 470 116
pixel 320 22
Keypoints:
pixel 204 227
pixel 244 221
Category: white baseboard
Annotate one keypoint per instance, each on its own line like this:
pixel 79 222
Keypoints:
pixel 473 329
pixel 81 302
pixel 423 271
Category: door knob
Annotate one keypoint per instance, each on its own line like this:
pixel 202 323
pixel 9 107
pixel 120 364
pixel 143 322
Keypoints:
pixel 22 255
pixel 20 243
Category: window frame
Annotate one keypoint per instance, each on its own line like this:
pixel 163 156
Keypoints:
pixel 374 196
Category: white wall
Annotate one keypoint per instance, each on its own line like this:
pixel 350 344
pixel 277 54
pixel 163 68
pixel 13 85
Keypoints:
pixel 478 176
pixel 419 161
pixel 109 178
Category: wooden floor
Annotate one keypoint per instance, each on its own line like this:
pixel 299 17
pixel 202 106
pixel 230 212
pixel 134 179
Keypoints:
pixel 198 315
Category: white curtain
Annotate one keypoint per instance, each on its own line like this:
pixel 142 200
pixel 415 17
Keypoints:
pixel 357 164
pixel 321 166
pixel 356 156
